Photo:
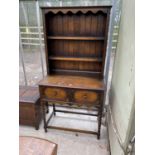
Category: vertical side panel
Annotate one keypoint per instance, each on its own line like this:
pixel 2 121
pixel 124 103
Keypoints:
pixel 45 40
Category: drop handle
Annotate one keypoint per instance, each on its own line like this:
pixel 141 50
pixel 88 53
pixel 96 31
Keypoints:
pixel 85 96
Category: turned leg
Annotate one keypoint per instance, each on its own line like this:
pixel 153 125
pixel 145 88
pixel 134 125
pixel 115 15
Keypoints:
pixel 99 123
pixel 47 107
pixel 44 116
pixel 100 110
pixel 54 109
pixel 36 115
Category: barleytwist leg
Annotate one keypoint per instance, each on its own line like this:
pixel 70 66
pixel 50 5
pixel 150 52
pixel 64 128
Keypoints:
pixel 47 107
pixel 44 115
pixel 100 110
pixel 99 123
pixel 54 109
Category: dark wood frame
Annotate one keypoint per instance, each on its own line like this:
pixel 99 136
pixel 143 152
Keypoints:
pixel 85 9
pixel 44 101
pixel 99 110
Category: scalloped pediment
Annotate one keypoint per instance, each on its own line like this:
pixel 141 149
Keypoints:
pixel 76 10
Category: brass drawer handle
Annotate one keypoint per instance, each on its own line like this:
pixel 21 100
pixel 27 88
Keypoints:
pixel 85 96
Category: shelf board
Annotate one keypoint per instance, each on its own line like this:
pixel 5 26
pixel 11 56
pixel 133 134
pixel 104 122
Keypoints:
pixel 75 59
pixel 75 38
pixel 74 71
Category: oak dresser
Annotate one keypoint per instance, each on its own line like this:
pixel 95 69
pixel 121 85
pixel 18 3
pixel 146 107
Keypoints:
pixel 75 48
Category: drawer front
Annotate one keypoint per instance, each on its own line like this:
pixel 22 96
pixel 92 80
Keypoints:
pixel 86 97
pixel 55 94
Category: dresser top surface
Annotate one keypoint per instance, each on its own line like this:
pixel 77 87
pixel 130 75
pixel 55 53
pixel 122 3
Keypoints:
pixel 68 81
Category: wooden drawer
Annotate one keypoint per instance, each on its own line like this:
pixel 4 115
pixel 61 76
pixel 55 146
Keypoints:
pixel 55 94
pixel 85 96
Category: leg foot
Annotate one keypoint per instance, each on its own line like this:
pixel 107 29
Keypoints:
pixel 37 127
pixel 44 115
pixel 45 129
pixel 98 136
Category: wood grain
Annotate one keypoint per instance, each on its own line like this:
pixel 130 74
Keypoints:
pixel 30 95
pixel 85 97
pixel 75 41
pixel 72 82
pixel 29 106
pixel 55 93
pixel 76 59
pixel 80 34
pixel 75 38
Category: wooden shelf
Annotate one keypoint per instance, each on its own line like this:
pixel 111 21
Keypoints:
pixel 71 50
pixel 75 38
pixel 75 59
pixel 74 71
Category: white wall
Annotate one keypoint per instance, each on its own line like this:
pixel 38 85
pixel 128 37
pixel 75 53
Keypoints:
pixel 122 87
